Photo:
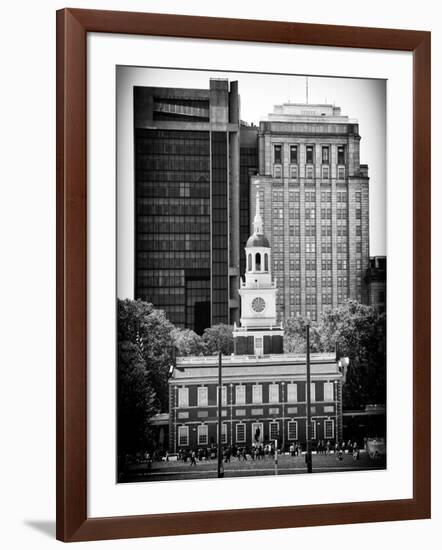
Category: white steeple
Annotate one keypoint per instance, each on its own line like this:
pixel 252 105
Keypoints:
pixel 257 222
pixel 258 332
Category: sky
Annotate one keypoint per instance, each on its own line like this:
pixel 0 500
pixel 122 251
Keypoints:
pixel 360 99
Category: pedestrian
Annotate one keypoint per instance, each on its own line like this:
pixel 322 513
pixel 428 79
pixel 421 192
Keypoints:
pixel 193 458
pixel 355 451
pixel 327 448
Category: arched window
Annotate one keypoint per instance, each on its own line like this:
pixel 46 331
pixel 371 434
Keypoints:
pixel 258 262
pixel 266 262
pixel 249 262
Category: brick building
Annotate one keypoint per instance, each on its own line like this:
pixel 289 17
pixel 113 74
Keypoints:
pixel 263 389
pixel 315 204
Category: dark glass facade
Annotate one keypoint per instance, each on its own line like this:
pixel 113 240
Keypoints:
pixel 172 257
pixel 220 216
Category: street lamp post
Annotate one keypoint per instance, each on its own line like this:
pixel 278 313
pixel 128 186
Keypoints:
pixel 308 390
pixel 220 396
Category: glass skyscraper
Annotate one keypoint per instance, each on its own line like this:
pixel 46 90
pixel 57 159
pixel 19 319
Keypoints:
pixel 186 202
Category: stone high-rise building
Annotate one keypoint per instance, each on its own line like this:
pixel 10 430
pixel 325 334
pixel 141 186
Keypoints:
pixel 187 202
pixel 314 197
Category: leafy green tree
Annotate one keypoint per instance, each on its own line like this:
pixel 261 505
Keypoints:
pixel 143 325
pixel 218 338
pixel 187 342
pixel 358 332
pixel 137 401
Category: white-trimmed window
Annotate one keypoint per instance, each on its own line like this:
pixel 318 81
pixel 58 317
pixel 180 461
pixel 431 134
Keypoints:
pixel 256 394
pixel 240 395
pixel 274 393
pixel 274 430
pixel 292 430
pixel 183 397
pixel 294 171
pixel 328 391
pixel 202 396
pixel 312 392
pixel 329 429
pixel 223 433
pixel 240 433
pixel 203 434
pixel 223 395
pixel 312 429
pixel 183 435
pixel 292 393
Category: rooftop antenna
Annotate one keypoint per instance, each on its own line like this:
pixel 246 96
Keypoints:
pixel 306 89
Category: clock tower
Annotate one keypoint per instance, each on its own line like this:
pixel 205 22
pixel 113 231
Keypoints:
pixel 259 333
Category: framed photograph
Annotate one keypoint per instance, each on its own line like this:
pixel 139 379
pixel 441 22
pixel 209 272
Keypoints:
pixel 232 351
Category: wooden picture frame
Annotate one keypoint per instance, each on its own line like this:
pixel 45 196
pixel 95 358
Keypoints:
pixel 73 523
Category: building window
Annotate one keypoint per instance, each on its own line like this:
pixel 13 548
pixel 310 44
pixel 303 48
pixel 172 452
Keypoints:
pixel 278 154
pixel 293 154
pixel 313 429
pixel 309 172
pixel 257 394
pixel 257 261
pixel 183 397
pixel 240 395
pixel 274 430
pixel 312 392
pixel 325 172
pixel 266 262
pixel 292 430
pixel 325 155
pixel 328 391
pixel 249 262
pixel 203 434
pixel 292 393
pixel 329 429
pixel 202 396
pixel 223 433
pixel 309 154
pixel 274 393
pixel 223 395
pixel 341 154
pixel 277 172
pixel 294 171
pixel 341 172
pixel 183 435
pixel 240 433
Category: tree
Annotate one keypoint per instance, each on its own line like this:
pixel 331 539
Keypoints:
pixel 359 332
pixel 187 342
pixel 143 325
pixel 295 336
pixel 218 338
pixel 137 401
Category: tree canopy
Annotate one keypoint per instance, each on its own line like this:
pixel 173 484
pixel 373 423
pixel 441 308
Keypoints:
pixel 218 338
pixel 137 401
pixel 356 331
pixel 141 324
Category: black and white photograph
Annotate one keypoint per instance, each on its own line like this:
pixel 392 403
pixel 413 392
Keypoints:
pixel 252 275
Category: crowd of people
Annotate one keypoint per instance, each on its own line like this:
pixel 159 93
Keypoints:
pixel 262 451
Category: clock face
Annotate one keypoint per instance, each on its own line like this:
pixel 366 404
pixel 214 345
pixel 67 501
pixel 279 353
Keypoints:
pixel 258 304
